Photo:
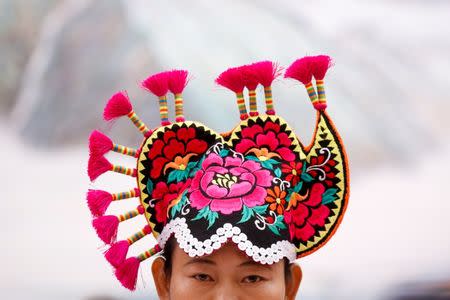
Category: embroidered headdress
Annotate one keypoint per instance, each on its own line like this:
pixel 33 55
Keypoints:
pixel 257 185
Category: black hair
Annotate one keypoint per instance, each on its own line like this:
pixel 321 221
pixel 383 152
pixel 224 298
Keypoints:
pixel 170 247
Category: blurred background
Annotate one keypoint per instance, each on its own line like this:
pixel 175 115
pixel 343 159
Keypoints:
pixel 388 93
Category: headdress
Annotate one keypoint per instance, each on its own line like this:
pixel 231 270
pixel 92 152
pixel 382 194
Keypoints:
pixel 256 185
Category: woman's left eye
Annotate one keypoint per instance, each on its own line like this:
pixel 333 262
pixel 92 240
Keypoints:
pixel 252 279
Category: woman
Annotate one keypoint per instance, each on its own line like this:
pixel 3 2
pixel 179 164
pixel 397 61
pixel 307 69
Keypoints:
pixel 230 212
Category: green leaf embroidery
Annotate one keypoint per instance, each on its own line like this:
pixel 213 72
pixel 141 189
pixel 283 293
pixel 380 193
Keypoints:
pixel 306 177
pixel 247 213
pixel 277 225
pixel 172 176
pixel 224 152
pixel 329 196
pixel 149 187
pixel 207 214
pixel 251 157
pixel 278 172
pixel 260 209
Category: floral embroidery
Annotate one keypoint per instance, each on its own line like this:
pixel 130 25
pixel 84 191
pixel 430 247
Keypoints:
pixel 226 183
pixel 165 196
pixel 266 142
pixel 174 150
pixel 292 171
pixel 307 213
pixel 321 167
pixel 276 199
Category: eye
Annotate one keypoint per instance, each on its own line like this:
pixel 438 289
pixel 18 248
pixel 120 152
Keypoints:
pixel 202 277
pixel 252 279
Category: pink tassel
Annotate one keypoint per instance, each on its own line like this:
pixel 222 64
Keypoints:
pixel 98 165
pixel 98 201
pixel 300 70
pixel 99 144
pixel 117 254
pixel 320 65
pixel 157 84
pixel 106 228
pixel 119 105
pixel 232 79
pixel 250 77
pixel 127 273
pixel 177 81
pixel 266 72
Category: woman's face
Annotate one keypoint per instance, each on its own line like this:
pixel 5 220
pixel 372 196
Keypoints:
pixel 225 274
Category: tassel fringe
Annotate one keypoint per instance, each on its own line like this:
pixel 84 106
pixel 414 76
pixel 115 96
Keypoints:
pixel 127 272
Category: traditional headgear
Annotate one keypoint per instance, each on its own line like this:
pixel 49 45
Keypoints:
pixel 256 185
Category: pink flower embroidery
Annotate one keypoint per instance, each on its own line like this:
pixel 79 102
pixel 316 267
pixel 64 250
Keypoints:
pixel 226 183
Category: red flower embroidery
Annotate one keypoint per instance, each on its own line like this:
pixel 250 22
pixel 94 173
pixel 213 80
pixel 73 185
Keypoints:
pixel 174 149
pixel 276 199
pixel 318 162
pixel 165 195
pixel 266 142
pixel 307 214
pixel 293 170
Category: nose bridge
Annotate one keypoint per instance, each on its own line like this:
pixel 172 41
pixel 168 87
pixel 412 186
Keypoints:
pixel 226 290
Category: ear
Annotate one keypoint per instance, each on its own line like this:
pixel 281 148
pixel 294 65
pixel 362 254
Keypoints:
pixel 160 278
pixel 293 282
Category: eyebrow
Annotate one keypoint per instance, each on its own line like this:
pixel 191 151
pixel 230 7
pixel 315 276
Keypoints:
pixel 251 263
pixel 199 260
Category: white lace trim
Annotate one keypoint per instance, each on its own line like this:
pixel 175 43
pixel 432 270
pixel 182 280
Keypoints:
pixel 193 247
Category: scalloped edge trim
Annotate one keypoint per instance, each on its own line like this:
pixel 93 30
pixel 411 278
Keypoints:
pixel 193 247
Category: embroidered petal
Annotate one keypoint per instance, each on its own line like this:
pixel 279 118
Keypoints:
pixel 263 177
pixel 319 215
pixel 196 146
pixel 268 140
pixel 256 197
pixel 174 148
pixel 206 180
pixel 251 165
pixel 233 161
pixel 286 153
pixel 250 132
pixel 215 191
pixel 198 200
pixel 212 159
pixel 315 195
pixel 244 145
pixel 226 206
pixel 240 188
pixel 158 165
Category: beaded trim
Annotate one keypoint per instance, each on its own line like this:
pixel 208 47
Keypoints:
pixel 193 247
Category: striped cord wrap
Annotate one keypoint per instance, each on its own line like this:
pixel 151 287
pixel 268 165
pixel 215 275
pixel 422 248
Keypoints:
pixel 312 93
pixel 124 170
pixel 149 253
pixel 125 195
pixel 241 105
pixel 252 102
pixel 321 91
pixel 138 123
pixel 269 102
pixel 125 150
pixel 179 115
pixel 163 110
pixel 139 235
pixel 131 214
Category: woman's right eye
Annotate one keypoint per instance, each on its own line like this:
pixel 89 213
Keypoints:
pixel 202 277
